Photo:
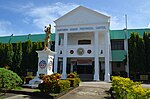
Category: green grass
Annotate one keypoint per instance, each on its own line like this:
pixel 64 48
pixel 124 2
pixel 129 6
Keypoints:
pixel 1 97
pixel 54 95
pixel 36 90
pixel 18 88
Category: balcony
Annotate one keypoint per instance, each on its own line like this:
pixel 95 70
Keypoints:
pixel 80 51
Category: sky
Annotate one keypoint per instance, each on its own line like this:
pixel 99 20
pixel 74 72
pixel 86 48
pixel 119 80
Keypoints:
pixel 23 17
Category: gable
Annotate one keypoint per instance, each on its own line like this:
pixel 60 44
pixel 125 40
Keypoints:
pixel 81 15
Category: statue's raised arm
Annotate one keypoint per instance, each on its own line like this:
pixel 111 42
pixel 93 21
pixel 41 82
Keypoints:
pixel 48 35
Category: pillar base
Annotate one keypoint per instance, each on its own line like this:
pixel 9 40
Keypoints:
pixel 96 77
pixel 107 78
pixel 64 75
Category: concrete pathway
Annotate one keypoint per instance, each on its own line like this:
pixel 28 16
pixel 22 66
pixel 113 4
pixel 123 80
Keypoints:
pixel 146 85
pixel 86 90
pixel 89 90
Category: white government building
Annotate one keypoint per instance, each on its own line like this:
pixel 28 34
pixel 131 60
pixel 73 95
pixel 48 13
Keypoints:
pixel 82 43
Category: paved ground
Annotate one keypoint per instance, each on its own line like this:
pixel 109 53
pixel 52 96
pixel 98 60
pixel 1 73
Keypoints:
pixel 146 85
pixel 86 90
pixel 89 90
pixel 25 93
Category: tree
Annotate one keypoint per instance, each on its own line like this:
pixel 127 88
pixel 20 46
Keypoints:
pixel 141 56
pixel 137 55
pixel 26 59
pixel 17 58
pixel 146 38
pixel 132 47
pixel 9 79
pixel 34 55
pixel 9 55
pixel 2 54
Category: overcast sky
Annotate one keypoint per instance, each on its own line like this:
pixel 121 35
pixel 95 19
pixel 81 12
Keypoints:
pixel 22 17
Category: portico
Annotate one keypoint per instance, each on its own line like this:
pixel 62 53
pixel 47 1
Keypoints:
pixel 82 39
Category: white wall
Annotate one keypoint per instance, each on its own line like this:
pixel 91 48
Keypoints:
pixel 74 37
pixel 82 15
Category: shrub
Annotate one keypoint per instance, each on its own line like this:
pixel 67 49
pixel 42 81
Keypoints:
pixel 49 78
pixel 74 81
pixel 53 84
pixel 72 75
pixel 127 89
pixel 9 79
pixel 73 78
pixel 63 85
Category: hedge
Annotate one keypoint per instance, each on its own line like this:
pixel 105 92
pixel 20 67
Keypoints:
pixel 73 78
pixel 53 84
pixel 74 82
pixel 9 79
pixel 125 88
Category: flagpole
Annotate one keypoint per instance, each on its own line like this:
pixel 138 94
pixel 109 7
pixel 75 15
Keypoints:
pixel 126 39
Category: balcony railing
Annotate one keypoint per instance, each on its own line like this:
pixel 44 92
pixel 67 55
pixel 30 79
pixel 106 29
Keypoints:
pixel 81 51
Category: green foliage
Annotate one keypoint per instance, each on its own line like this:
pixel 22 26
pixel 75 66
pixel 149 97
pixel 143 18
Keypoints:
pixel 146 38
pixel 9 55
pixel 63 85
pixel 137 55
pixel 74 81
pixel 53 84
pixel 72 75
pixel 127 89
pixel 34 56
pixel 17 58
pixel 9 79
pixel 2 54
pixel 20 57
pixel 54 77
pixel 73 78
pixel 26 56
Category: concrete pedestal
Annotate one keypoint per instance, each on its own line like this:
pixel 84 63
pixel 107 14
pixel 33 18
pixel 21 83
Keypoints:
pixel 45 66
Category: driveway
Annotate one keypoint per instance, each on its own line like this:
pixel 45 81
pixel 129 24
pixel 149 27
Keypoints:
pixel 89 90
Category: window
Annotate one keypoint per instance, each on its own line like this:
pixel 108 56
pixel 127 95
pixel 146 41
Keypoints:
pixel 117 44
pixel 84 42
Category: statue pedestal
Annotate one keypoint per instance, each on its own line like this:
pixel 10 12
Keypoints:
pixel 45 66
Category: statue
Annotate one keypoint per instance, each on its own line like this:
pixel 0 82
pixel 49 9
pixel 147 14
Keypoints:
pixel 47 38
pixel 45 61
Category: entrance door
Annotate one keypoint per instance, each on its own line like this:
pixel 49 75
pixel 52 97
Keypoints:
pixel 85 72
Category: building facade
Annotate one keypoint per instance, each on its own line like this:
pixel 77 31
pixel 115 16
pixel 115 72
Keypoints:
pixel 84 43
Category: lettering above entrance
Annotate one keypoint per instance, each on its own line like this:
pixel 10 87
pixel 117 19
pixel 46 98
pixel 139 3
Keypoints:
pixel 74 29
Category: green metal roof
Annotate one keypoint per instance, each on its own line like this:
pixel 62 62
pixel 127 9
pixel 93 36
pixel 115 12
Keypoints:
pixel 120 34
pixel 4 39
pixel 14 39
pixel 117 34
pixel 118 55
pixel 114 34
pixel 23 38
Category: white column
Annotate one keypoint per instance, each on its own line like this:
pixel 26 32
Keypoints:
pixel 96 69
pixel 56 50
pixel 61 41
pixel 64 74
pixel 107 69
